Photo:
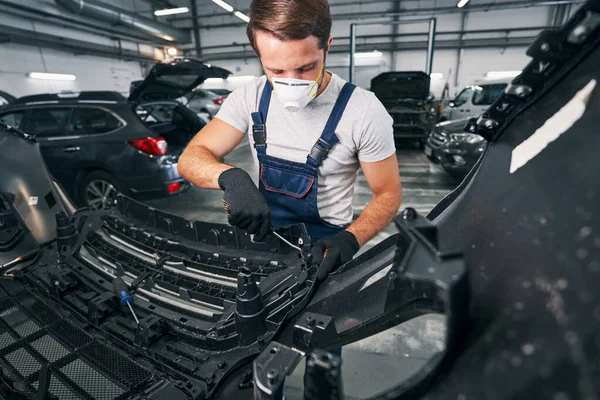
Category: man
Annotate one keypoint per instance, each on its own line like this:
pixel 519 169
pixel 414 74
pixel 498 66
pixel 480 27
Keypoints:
pixel 311 132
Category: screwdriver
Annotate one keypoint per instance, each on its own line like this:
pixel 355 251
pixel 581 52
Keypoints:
pixel 24 257
pixel 120 288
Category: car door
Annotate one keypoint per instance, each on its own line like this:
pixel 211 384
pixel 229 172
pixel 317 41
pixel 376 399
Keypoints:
pixel 461 105
pixel 63 144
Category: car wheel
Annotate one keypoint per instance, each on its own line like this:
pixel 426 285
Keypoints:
pixel 98 190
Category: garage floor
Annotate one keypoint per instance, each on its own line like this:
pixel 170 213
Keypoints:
pixel 379 362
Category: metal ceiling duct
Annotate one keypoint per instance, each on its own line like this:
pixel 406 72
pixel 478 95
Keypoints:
pixel 116 16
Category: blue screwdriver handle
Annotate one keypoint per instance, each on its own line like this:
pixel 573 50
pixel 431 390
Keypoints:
pixel 121 290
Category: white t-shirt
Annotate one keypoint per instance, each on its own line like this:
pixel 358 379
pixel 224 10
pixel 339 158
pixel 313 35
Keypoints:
pixel 365 132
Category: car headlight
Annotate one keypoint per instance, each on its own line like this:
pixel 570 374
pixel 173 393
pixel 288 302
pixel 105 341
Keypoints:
pixel 466 137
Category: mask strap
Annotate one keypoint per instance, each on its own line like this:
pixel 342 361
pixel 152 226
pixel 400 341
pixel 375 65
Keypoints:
pixel 316 83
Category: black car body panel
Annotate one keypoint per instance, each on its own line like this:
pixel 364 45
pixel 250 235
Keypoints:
pixel 405 96
pixel 452 148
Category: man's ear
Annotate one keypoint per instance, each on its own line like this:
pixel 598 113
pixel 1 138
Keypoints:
pixel 328 47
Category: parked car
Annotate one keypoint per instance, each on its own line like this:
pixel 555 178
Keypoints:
pixel 201 101
pixel 406 97
pixel 6 98
pixel 97 142
pixel 474 99
pixel 205 101
pixel 452 149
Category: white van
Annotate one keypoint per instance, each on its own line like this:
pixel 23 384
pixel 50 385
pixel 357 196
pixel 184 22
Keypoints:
pixel 474 99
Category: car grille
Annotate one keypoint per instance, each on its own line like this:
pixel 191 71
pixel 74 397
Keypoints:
pixel 437 139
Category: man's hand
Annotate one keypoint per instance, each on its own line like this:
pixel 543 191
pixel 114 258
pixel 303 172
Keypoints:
pixel 334 251
pixel 245 206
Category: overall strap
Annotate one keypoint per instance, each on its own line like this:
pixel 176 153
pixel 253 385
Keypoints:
pixel 259 118
pixel 328 138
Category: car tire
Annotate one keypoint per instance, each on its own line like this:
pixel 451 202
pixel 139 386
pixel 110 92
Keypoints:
pixel 98 190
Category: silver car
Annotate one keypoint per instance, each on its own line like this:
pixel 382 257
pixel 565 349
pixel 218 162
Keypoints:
pixel 203 101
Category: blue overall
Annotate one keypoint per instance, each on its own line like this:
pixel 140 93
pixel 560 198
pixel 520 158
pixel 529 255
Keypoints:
pixel 290 188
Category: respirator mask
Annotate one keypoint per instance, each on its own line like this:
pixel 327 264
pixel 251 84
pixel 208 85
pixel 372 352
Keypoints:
pixel 295 94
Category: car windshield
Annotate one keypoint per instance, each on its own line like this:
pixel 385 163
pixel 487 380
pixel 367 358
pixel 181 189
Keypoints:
pixel 485 95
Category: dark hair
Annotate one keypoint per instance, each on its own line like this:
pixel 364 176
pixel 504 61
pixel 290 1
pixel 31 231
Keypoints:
pixel 290 20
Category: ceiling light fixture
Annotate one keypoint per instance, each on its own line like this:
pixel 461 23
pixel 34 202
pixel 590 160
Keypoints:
pixel 51 77
pixel 241 78
pixel 171 11
pixel 462 3
pixel 172 51
pixel 224 5
pixel 242 16
pixel 370 54
pixel 437 75
pixel 502 74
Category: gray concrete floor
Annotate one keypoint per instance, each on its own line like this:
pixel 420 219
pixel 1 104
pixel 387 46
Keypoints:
pixel 384 360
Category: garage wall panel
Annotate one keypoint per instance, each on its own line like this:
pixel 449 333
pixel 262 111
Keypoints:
pixel 93 73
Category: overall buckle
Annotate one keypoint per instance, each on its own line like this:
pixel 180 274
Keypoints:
pixel 259 133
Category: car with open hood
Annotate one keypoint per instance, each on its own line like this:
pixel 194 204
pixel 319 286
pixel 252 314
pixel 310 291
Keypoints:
pixel 99 143
pixel 405 95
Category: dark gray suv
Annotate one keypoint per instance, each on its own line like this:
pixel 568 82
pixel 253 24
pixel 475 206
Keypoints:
pixel 96 143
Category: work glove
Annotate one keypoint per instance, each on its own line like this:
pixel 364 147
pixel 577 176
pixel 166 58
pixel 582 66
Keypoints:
pixel 245 206
pixel 334 251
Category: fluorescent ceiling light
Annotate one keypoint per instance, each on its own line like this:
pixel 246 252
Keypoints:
pixel 242 16
pixel 52 77
pixel 437 75
pixel 224 5
pixel 172 51
pixel 240 78
pixel 502 74
pixel 213 80
pixel 171 11
pixel 370 54
pixel 462 3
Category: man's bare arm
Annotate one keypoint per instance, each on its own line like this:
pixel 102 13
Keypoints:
pixel 200 162
pixel 383 178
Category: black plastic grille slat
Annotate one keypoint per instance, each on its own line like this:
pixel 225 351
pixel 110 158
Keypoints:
pixel 136 266
pixel 123 370
pixel 228 265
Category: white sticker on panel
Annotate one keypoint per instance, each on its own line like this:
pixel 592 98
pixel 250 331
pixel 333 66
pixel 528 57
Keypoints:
pixel 555 126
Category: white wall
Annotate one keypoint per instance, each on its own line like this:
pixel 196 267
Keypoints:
pixel 93 73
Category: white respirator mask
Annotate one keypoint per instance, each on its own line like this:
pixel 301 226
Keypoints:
pixel 295 94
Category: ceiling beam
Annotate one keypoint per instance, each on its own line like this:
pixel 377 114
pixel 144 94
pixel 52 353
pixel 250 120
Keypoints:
pixel 337 39
pixel 400 46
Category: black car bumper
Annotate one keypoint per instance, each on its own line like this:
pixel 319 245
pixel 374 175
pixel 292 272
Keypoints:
pixel 457 158
pixel 155 177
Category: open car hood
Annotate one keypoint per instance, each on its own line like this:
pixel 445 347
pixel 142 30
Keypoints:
pixel 6 98
pixel 171 79
pixel 401 85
